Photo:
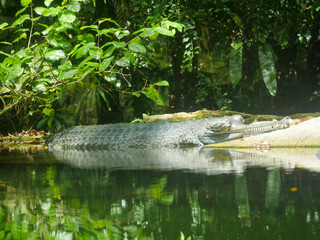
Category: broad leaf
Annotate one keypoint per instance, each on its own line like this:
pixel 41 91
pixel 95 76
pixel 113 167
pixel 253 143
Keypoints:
pixel 173 24
pixel 2 25
pixel 84 49
pixel 123 62
pixel 109 51
pixel 105 63
pixel 67 16
pixel 55 55
pixel 48 2
pixel 25 3
pixel 135 47
pixel 21 10
pixel 21 20
pixel 74 6
pixel 268 68
pixel 164 31
pixel 154 95
pixel 235 63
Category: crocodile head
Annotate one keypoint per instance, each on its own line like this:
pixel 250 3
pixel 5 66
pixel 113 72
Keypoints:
pixel 215 127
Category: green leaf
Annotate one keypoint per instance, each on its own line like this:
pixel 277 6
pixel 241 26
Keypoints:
pixel 102 20
pixel 268 69
pixel 22 36
pixel 173 24
pixel 25 3
pixel 235 63
pixel 84 49
pixel 105 63
pixel 154 95
pixel 162 83
pixel 69 74
pixel 74 6
pixel 164 31
pixel 21 11
pixel 2 25
pixel 55 55
pixel 130 56
pixel 48 2
pixel 135 47
pixel 21 20
pixel 67 16
pixel 42 122
pixel 148 32
pixel 8 43
pixel 52 12
pixel 123 62
pixel 109 51
pixel 39 10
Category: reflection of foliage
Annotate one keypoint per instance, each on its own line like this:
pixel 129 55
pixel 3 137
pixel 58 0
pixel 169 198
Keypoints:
pixel 58 202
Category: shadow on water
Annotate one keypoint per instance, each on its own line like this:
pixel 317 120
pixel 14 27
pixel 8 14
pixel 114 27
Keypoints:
pixel 160 194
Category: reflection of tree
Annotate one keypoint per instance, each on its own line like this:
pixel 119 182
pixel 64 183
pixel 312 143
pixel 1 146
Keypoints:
pixel 60 202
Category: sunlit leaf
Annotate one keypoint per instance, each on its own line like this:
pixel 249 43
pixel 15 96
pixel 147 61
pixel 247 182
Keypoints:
pixel 55 55
pixel 148 32
pixel 22 36
pixel 135 47
pixel 39 10
pixel 21 11
pixel 154 95
pixel 74 6
pixel 173 24
pixel 164 31
pixel 105 63
pixel 53 12
pixel 48 2
pixel 102 20
pixel 109 51
pixel 2 25
pixel 123 62
pixel 268 69
pixel 21 20
pixel 25 3
pixel 84 49
pixel 235 63
pixel 67 16
pixel 162 83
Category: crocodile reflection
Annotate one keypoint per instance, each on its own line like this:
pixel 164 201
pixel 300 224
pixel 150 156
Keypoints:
pixel 204 160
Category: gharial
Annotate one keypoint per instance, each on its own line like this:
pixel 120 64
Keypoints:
pixel 192 133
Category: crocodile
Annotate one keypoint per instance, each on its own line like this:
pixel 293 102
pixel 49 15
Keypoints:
pixel 192 133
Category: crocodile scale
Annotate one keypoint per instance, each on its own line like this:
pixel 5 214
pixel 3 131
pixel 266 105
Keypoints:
pixel 197 132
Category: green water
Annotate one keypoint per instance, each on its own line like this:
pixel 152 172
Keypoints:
pixel 47 196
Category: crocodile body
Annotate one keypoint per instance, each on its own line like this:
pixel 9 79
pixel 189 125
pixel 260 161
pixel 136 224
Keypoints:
pixel 196 132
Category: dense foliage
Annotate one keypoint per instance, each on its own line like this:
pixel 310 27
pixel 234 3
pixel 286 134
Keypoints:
pixel 84 62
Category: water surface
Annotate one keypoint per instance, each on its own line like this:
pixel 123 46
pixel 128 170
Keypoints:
pixel 160 194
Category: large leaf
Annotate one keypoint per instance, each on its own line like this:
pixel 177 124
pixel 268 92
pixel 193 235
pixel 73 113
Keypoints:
pixel 164 31
pixel 268 69
pixel 25 3
pixel 135 47
pixel 21 20
pixel 67 16
pixel 84 49
pixel 154 95
pixel 235 63
pixel 55 55
pixel 48 2
pixel 105 63
pixel 74 6
pixel 2 25
pixel 123 62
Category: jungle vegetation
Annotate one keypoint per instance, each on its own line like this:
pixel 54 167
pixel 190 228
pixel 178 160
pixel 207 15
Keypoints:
pixel 66 62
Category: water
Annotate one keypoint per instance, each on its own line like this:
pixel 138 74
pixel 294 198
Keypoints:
pixel 171 194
